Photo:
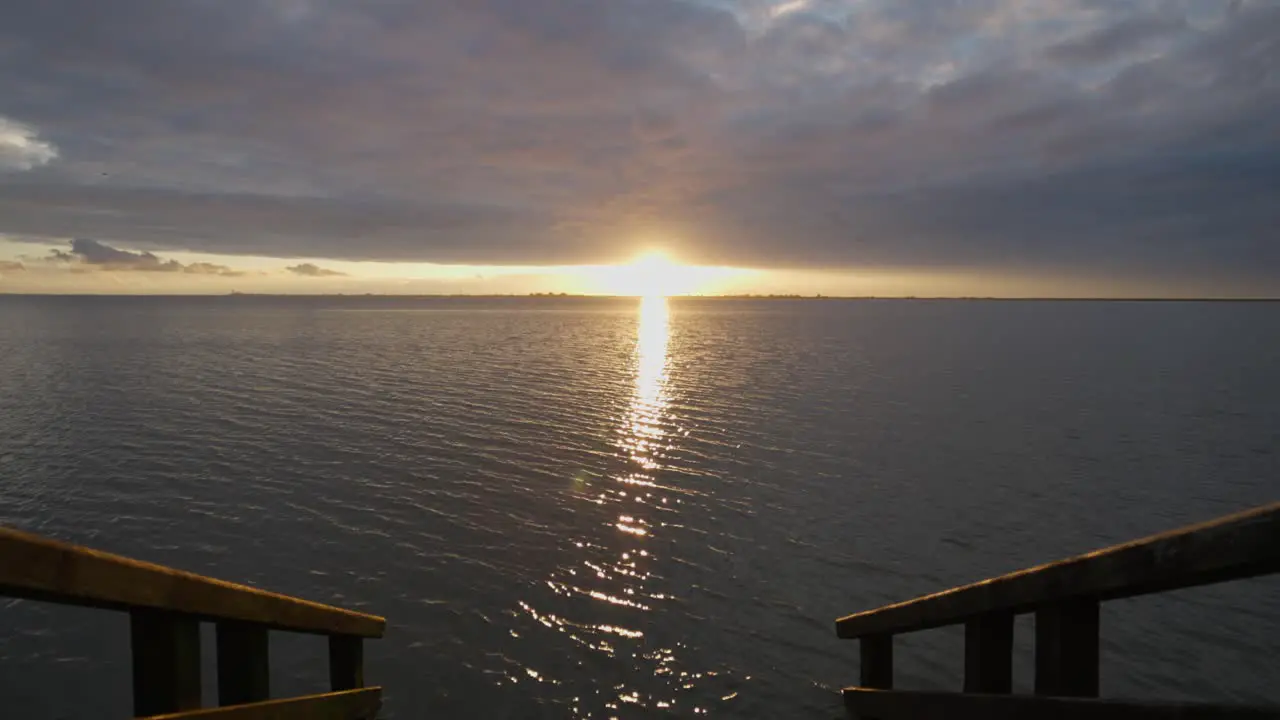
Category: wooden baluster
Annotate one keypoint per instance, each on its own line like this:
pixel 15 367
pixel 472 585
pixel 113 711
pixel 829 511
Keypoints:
pixel 346 662
pixel 988 654
pixel 1067 649
pixel 244 674
pixel 166 662
pixel 877 661
pixel 877 666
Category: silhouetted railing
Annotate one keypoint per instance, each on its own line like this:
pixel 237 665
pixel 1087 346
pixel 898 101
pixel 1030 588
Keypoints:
pixel 1065 598
pixel 166 607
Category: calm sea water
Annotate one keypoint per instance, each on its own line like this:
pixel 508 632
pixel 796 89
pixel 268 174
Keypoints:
pixel 596 508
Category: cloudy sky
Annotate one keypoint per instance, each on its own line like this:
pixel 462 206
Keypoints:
pixel 1097 147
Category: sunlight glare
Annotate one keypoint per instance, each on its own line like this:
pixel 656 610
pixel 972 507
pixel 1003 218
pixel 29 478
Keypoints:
pixel 654 274
pixel 649 403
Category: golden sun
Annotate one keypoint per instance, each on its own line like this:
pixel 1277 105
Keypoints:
pixel 655 274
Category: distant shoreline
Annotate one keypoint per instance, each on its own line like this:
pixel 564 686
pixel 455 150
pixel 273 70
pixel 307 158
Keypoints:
pixel 567 297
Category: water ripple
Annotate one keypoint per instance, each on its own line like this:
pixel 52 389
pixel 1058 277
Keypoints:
pixel 599 508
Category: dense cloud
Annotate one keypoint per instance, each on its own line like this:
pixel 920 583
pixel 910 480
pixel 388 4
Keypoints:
pixel 1126 137
pixel 93 252
pixel 88 254
pixel 313 270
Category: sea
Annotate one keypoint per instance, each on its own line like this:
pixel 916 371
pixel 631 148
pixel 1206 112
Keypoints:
pixel 633 507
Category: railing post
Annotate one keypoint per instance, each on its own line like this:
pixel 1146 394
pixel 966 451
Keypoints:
pixel 166 662
pixel 988 653
pixel 877 661
pixel 1067 649
pixel 243 663
pixel 346 662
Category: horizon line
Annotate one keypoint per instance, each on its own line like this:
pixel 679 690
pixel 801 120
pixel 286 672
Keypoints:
pixel 736 296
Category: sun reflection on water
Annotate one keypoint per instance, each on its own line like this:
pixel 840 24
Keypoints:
pixel 611 586
pixel 643 429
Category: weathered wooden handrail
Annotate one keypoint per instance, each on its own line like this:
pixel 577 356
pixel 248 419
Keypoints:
pixel 166 607
pixel 919 705
pixel 361 703
pixel 38 568
pixel 1230 548
pixel 1065 597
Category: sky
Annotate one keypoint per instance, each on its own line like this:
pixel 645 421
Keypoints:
pixel 895 147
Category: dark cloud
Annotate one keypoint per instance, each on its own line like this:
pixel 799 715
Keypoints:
pixel 205 268
pixel 1129 136
pixel 313 270
pixel 93 252
pixel 86 254
pixel 271 225
pixel 1140 34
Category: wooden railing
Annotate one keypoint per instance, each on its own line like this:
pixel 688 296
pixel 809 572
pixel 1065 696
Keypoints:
pixel 1064 597
pixel 166 607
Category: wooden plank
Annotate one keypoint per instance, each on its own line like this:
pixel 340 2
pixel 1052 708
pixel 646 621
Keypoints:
pixel 913 705
pixel 1238 546
pixel 877 661
pixel 1067 649
pixel 166 662
pixel 360 704
pixel 37 568
pixel 346 662
pixel 244 674
pixel 988 654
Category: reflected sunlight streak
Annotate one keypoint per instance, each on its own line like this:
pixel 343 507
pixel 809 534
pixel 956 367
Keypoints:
pixel 621 576
pixel 644 422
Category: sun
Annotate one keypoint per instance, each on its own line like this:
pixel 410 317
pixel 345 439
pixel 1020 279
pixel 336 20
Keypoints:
pixel 652 274
pixel 655 274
